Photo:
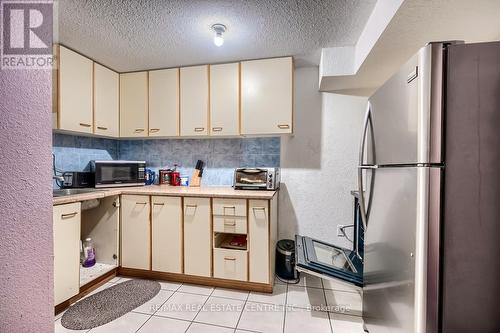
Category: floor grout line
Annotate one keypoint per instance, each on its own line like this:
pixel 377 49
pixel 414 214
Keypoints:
pixel 284 310
pixel 241 314
pixel 151 315
pixel 192 321
pixel 327 312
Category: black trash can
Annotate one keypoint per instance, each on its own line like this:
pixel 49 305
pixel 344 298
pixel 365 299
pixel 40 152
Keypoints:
pixel 285 259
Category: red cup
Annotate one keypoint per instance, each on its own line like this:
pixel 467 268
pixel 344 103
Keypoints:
pixel 175 178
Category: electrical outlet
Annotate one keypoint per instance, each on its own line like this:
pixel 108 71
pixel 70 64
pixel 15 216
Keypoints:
pixel 339 230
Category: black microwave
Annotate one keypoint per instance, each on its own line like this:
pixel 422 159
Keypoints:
pixel 119 173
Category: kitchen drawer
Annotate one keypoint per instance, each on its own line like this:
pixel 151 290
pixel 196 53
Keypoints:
pixel 230 207
pixel 230 224
pixel 230 264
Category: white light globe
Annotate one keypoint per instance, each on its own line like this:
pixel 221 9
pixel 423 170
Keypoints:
pixel 218 40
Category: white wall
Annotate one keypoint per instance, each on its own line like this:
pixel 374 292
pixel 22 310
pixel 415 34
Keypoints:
pixel 318 162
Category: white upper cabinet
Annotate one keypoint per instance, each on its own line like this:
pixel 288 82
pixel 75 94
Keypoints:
pixel 164 102
pixel 106 101
pixel 267 96
pixel 194 100
pixel 134 104
pixel 75 91
pixel 225 99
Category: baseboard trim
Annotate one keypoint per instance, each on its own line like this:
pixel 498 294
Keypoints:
pixel 202 280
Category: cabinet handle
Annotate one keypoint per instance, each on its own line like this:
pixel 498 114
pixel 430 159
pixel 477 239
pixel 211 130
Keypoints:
pixel 159 203
pixel 141 203
pixel 67 216
pixel 230 224
pixel 199 129
pixel 259 208
pixel 283 126
pixel 217 129
pixel 233 207
pixel 154 130
pixel 85 125
pixel 230 258
pixel 191 206
pixel 139 130
pixel 102 128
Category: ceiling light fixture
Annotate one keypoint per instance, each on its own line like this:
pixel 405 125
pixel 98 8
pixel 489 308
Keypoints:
pixel 219 29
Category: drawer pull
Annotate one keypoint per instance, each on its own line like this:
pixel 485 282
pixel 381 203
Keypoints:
pixel 102 128
pixel 217 129
pixel 159 203
pixel 139 130
pixel 230 258
pixel 283 126
pixel 141 203
pixel 154 130
pixel 199 129
pixel 85 125
pixel 69 215
pixel 191 206
pixel 230 224
pixel 259 208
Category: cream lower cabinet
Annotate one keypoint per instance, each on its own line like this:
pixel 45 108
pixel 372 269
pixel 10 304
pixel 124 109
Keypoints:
pixel 197 237
pixel 135 231
pixel 67 221
pixel 230 264
pixel 166 219
pixel 258 244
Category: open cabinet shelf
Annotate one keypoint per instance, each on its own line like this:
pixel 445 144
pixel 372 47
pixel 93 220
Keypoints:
pixel 100 222
pixel 229 241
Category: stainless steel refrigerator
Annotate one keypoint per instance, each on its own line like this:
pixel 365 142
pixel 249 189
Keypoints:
pixel 429 197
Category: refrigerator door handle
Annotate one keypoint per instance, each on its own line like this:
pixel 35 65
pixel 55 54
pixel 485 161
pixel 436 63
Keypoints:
pixel 361 167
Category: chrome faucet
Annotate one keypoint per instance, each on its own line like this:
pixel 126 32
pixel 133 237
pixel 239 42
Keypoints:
pixel 59 178
pixel 56 176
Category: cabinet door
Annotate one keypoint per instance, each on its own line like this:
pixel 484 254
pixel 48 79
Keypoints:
pixel 267 96
pixel 225 99
pixel 106 99
pixel 197 237
pixel 194 100
pixel 134 104
pixel 164 102
pixel 75 91
pixel 135 230
pixel 258 233
pixel 167 234
pixel 66 219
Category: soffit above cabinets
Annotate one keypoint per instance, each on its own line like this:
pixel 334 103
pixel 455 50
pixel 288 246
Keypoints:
pixel 395 31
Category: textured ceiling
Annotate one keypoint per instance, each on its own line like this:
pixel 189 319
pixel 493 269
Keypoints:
pixel 129 35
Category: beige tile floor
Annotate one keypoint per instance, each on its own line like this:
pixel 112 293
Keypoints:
pixel 312 305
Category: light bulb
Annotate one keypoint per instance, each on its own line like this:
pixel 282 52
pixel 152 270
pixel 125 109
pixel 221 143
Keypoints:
pixel 218 29
pixel 218 39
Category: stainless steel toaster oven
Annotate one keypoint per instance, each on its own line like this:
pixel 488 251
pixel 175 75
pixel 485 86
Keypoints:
pixel 256 178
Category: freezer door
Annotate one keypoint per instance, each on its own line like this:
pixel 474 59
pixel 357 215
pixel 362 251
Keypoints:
pixel 390 248
pixel 406 112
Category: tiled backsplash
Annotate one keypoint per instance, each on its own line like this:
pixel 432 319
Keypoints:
pixel 221 156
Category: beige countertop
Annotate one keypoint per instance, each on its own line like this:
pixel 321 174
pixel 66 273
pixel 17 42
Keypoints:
pixel 182 191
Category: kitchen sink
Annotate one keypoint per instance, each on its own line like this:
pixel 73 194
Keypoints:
pixel 72 191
